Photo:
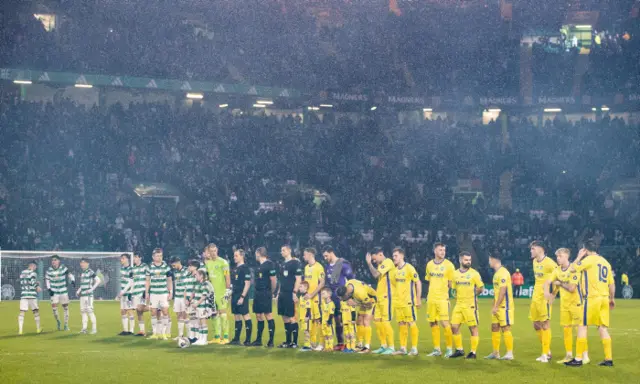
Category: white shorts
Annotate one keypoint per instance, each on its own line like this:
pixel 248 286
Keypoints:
pixel 60 299
pixel 86 304
pixel 137 301
pixel 179 305
pixel 159 301
pixel 203 313
pixel 28 304
pixel 125 303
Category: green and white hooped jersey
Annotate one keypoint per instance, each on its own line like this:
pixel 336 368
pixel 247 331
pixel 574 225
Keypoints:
pixel 28 284
pixel 57 278
pixel 139 273
pixel 205 290
pixel 126 275
pixel 189 285
pixel 87 279
pixel 158 274
pixel 179 278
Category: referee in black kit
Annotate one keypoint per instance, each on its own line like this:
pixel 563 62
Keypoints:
pixel 290 278
pixel 241 283
pixel 265 288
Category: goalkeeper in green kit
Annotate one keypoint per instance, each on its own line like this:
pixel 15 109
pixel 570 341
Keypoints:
pixel 218 271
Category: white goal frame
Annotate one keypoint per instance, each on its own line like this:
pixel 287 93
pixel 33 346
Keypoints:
pixel 11 254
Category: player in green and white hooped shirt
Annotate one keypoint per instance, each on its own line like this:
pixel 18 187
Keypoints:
pixel 159 292
pixel 89 281
pixel 56 282
pixel 218 270
pixel 204 305
pixel 189 295
pixel 29 296
pixel 125 297
pixel 180 275
pixel 139 272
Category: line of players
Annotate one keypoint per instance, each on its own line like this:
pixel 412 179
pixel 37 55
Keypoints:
pixel 586 285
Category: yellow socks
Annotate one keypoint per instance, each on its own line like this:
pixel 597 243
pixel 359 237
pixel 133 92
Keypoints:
pixel 547 342
pixel 313 330
pixel 581 346
pixel 568 340
pixel 367 335
pixel 508 341
pixel 457 341
pixel 608 353
pixel 448 337
pixel 382 336
pixel 415 333
pixel 388 331
pixel 495 341
pixel 360 333
pixel 475 340
pixel 435 334
pixel 404 335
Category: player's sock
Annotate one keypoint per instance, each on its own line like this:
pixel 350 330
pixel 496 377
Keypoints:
pixel 546 341
pixel 85 320
pixel 608 352
pixel 287 332
pixel 141 326
pixel 435 335
pixel 581 347
pixel 216 328
pixel 415 334
pixel 272 329
pixel 132 323
pixel 36 317
pixel 21 321
pixel 56 315
pixel 475 340
pixel 164 328
pixel 367 336
pixel 225 325
pixel 313 332
pixel 307 334
pixel 180 327
pixel 568 340
pixel 237 330
pixel 508 341
pixel 66 316
pixel 295 327
pixel 448 337
pixel 549 338
pixel 248 327
pixel 382 337
pixel 260 330
pixel 403 330
pixel 154 324
pixel 495 341
pixel 457 341
pixel 204 333
pixel 125 323
pixel 388 330
pixel 94 325
pixel 360 334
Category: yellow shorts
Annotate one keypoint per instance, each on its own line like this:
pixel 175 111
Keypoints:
pixel 437 310
pixel 360 310
pixel 540 310
pixel 596 311
pixel 503 317
pixel 382 311
pixel 315 310
pixel 406 314
pixel 327 330
pixel 571 316
pixel 465 315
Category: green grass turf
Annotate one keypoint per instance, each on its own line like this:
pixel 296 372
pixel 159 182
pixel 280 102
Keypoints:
pixel 72 358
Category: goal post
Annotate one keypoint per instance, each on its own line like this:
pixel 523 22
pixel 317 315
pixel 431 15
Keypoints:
pixel 105 264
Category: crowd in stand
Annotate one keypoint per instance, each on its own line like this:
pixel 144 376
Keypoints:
pixel 67 176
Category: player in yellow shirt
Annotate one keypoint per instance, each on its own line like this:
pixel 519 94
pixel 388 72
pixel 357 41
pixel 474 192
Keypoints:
pixel 598 291
pixel 468 285
pixel 314 275
pixel 304 315
pixel 328 308
pixel 363 297
pixel 348 318
pixel 439 274
pixel 406 302
pixel 540 310
pixel 568 284
pixel 502 314
pixel 385 292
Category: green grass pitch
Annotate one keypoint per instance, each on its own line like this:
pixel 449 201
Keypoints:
pixel 73 358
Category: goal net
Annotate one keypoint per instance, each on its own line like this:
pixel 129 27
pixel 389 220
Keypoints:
pixel 105 264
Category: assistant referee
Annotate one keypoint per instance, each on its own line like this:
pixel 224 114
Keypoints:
pixel 265 288
pixel 290 278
